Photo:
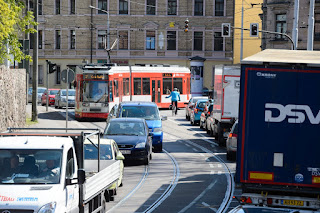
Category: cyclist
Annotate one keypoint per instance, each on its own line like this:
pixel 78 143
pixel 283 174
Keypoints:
pixel 174 98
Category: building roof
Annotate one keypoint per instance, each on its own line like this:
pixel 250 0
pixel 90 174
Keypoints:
pixel 284 56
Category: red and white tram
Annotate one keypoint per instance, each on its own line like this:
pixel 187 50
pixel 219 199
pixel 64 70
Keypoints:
pixel 100 87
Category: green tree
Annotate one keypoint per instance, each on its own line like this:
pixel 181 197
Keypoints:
pixel 13 24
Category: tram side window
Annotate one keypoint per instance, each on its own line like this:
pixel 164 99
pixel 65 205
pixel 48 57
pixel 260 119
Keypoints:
pixel 110 92
pixel 137 86
pixel 126 86
pixel 146 86
pixel 177 83
pixel 116 91
pixel 167 86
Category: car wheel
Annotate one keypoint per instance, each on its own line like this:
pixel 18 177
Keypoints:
pixel 201 125
pixel 228 155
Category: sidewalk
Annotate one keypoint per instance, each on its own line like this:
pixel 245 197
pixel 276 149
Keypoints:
pixel 51 118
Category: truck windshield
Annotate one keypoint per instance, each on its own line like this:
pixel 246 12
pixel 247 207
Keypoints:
pixel 96 91
pixel 26 166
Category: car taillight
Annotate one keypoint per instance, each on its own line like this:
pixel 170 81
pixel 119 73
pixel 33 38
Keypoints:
pixel 231 135
pixel 245 200
pixel 208 113
pixel 269 201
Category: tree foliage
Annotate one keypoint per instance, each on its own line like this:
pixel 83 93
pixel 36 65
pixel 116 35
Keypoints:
pixel 13 24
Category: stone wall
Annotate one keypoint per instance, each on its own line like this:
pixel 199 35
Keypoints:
pixel 12 98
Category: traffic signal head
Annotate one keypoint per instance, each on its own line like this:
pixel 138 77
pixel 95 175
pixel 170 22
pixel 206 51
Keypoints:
pixel 225 29
pixel 186 26
pixel 254 30
pixel 52 67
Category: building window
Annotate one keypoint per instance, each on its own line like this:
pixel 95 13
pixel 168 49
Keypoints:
pixel 72 7
pixel 123 7
pixel 281 25
pixel 72 39
pixel 40 39
pixel 58 72
pixel 123 40
pixel 197 40
pixel 102 4
pixel 58 39
pixel 171 40
pixel 172 7
pixel 151 7
pixel 102 39
pixel 218 42
pixel 137 86
pixel 317 26
pixel 219 8
pixel 150 40
pixel 31 5
pixel 40 7
pixel 57 7
pixel 198 7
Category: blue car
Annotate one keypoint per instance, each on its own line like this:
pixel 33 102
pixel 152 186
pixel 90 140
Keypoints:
pixel 146 110
pixel 196 112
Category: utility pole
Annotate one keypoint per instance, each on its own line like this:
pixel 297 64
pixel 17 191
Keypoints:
pixel 35 66
pixel 295 24
pixel 241 44
pixel 311 26
pixel 91 31
pixel 26 50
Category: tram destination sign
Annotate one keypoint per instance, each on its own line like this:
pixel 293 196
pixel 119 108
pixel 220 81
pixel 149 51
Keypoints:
pixel 95 76
pixel 166 74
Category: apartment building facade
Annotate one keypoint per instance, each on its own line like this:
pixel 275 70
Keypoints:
pixel 148 32
pixel 278 16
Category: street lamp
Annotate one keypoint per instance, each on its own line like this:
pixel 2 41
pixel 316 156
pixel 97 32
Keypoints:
pixel 108 26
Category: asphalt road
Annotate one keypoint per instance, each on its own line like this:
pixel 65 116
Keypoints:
pixel 190 175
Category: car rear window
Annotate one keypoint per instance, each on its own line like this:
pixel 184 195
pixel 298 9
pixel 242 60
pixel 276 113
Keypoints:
pixel 202 104
pixel 125 128
pixel 235 130
pixel 53 92
pixel 146 112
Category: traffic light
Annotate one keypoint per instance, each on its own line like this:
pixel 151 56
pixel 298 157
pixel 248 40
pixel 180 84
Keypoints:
pixel 225 29
pixel 186 26
pixel 254 29
pixel 52 67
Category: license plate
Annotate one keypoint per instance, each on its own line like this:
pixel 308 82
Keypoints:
pixel 292 202
pixel 125 152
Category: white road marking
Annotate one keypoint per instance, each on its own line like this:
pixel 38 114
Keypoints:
pixel 194 149
pixel 198 198
pixel 187 145
pixel 207 205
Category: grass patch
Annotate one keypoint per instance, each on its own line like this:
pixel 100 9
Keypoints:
pixel 29 122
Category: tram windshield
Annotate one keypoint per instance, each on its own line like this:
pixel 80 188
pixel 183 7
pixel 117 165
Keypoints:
pixel 95 91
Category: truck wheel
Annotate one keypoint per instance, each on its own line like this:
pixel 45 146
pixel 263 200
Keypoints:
pixel 103 210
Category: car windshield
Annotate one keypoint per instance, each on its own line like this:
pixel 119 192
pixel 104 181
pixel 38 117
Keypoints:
pixel 201 104
pixel 53 92
pixel 41 90
pixel 125 128
pixel 70 93
pixel 91 152
pixel 21 166
pixel 146 112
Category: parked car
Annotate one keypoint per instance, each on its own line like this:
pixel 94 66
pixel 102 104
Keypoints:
pixel 147 110
pixel 204 115
pixel 61 98
pixel 196 112
pixel 231 142
pixel 109 152
pixel 39 94
pixel 52 93
pixel 132 136
pixel 191 104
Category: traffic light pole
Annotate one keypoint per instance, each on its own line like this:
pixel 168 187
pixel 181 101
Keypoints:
pixel 47 95
pixel 271 32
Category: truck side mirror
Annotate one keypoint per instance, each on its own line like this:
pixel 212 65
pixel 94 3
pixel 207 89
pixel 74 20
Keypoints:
pixel 81 176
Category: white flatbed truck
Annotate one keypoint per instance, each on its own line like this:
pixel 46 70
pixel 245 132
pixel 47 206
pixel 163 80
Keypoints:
pixel 67 187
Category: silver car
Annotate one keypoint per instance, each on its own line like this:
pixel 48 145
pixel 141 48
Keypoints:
pixel 39 94
pixel 61 98
pixel 231 142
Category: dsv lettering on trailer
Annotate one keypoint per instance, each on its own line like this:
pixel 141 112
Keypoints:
pixel 295 113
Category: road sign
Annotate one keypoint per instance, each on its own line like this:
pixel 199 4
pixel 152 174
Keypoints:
pixel 70 75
